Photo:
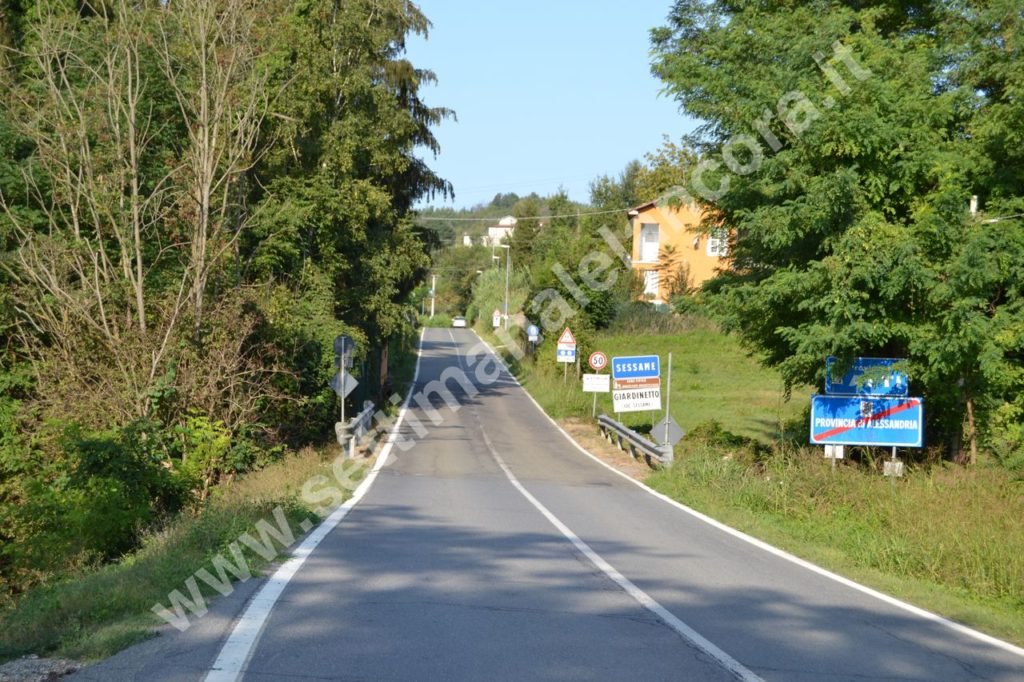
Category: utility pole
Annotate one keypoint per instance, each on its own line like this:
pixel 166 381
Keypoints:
pixel 508 264
pixel 433 294
pixel 668 398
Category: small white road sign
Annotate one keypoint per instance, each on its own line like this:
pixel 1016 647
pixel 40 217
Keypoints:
pixel 597 383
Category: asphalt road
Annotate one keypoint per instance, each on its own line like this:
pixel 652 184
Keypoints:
pixel 494 549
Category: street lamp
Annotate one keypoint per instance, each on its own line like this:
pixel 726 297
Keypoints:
pixel 508 267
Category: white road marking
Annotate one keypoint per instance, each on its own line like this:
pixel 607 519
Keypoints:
pixel 760 544
pixel 238 648
pixel 645 600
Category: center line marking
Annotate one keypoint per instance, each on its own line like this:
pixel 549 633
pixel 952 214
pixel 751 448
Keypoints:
pixel 645 600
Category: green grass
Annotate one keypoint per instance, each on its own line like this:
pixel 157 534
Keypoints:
pixel 946 538
pixel 712 379
pixel 96 613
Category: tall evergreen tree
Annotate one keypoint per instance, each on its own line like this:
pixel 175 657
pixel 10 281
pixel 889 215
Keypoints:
pixel 343 175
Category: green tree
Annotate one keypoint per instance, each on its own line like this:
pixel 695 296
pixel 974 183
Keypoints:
pixel 195 198
pixel 504 201
pixel 457 269
pixel 665 170
pixel 841 144
pixel 528 224
pixel 343 176
pixel 621 192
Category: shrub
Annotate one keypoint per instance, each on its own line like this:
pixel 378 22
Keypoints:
pixel 638 317
pixel 1005 437
pixel 438 320
pixel 87 501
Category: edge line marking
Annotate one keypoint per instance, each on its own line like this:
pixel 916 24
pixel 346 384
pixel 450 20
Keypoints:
pixel 771 549
pixel 645 600
pixel 238 648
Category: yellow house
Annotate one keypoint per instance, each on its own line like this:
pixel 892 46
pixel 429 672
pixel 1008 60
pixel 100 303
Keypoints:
pixel 670 251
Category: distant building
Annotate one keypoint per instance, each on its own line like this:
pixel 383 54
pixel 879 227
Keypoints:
pixel 467 240
pixel 671 252
pixel 501 232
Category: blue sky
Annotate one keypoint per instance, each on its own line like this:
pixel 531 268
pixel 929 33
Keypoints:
pixel 547 93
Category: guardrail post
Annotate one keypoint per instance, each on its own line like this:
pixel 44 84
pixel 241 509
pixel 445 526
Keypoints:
pixel 350 435
pixel 341 430
pixel 667 454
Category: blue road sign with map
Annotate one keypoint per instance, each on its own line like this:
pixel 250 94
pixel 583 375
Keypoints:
pixel 867 376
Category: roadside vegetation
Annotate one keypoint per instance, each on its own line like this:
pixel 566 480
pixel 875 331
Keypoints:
pixel 98 611
pixel 439 320
pixel 193 206
pixel 943 537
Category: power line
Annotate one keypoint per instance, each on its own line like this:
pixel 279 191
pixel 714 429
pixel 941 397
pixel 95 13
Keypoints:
pixel 529 217
pixel 534 181
pixel 999 219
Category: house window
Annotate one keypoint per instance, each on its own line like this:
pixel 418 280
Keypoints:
pixel 718 244
pixel 652 280
pixel 649 236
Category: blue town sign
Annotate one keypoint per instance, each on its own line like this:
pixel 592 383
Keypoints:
pixel 867 420
pixel 636 367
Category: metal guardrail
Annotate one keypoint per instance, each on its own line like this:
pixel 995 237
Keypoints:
pixel 626 438
pixel 352 434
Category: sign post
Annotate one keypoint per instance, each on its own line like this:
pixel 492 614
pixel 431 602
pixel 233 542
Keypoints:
pixel 667 432
pixel 668 394
pixel 867 376
pixel 867 420
pixel 533 336
pixel 596 383
pixel 344 348
pixel 597 362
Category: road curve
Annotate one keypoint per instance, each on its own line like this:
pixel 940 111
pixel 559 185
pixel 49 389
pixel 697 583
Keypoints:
pixel 494 549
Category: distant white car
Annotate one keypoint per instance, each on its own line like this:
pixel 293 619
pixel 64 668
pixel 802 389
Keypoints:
pixel 458 321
